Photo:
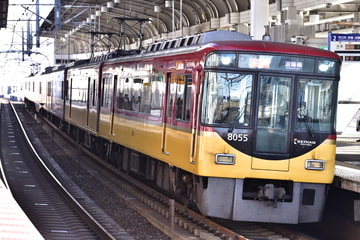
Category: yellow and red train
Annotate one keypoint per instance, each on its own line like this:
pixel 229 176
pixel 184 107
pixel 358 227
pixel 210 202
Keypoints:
pixel 243 129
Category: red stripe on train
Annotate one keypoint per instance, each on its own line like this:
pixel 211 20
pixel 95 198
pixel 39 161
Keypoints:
pixel 332 137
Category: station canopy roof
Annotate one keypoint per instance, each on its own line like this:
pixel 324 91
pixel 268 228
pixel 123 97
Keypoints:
pixel 123 22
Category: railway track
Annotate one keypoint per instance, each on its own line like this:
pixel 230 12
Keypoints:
pixel 187 224
pixel 55 212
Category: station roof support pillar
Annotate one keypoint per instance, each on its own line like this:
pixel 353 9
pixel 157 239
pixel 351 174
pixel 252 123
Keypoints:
pixel 259 18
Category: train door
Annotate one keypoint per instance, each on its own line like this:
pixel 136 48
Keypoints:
pixel 113 105
pixel 92 104
pixel 49 95
pixel 272 123
pixel 89 100
pixel 194 97
pixel 70 97
pixel 168 111
pixel 106 103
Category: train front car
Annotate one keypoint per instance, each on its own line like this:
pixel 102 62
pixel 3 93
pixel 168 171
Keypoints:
pixel 267 136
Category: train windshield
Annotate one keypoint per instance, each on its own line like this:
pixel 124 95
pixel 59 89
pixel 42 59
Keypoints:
pixel 285 97
pixel 316 104
pixel 228 98
pixel 273 114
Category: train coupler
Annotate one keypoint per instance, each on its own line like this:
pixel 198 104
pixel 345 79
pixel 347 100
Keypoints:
pixel 270 192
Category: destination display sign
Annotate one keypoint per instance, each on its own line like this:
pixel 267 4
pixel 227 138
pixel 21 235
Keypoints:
pixel 346 45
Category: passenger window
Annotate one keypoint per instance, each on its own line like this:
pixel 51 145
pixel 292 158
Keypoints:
pixel 106 90
pixel 183 97
pixel 157 90
pixel 136 94
pixel 49 89
pixel 172 94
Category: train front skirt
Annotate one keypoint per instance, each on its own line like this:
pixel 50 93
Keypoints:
pixel 224 198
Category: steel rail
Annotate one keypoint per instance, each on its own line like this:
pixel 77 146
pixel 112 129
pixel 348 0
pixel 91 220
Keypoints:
pixel 85 215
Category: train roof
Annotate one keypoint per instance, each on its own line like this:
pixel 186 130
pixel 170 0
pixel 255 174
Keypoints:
pixel 181 42
pixel 225 40
pixel 214 39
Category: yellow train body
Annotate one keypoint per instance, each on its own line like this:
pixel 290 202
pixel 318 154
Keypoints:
pixel 242 129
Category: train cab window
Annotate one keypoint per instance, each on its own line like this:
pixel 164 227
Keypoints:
pixel 183 97
pixel 273 110
pixel 227 99
pixel 315 104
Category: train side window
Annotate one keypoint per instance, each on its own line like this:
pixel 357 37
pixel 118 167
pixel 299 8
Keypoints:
pixel 62 90
pixel 146 90
pixel 70 89
pixel 183 97
pixel 106 90
pixel 157 90
pixel 102 92
pixel 92 92
pixel 120 94
pixel 137 88
pixel 171 95
pixel 127 93
pixel 48 89
pixel 66 89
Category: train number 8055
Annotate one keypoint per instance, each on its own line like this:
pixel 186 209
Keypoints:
pixel 237 137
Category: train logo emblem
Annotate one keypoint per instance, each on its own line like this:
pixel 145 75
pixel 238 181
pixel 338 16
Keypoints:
pixel 302 142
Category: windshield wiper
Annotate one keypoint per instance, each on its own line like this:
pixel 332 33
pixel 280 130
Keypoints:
pixel 308 126
pixel 303 117
pixel 236 121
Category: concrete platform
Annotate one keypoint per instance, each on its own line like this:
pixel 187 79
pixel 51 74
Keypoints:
pixel 14 224
pixel 347 168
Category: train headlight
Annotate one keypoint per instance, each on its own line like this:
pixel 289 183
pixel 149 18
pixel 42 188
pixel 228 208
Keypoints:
pixel 222 158
pixel 312 164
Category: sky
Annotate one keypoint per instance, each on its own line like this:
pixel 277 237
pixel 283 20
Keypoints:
pixel 14 67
